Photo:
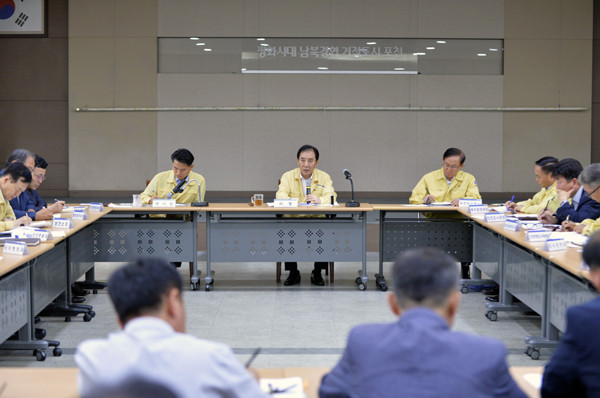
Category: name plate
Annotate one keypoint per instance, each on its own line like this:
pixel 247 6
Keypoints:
pixel 512 225
pixel 21 232
pixel 537 235
pixel 495 217
pixel 42 235
pixel 555 244
pixel 62 223
pixel 18 248
pixel 164 203
pixel 96 207
pixel 285 202
pixel 80 215
pixel 478 209
pixel 469 202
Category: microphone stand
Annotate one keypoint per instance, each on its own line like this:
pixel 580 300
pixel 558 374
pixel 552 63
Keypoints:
pixel 352 203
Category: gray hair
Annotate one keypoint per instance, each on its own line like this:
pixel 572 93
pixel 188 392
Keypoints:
pixel 590 176
pixel 19 155
pixel 424 277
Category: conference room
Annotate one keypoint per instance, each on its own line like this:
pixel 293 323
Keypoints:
pixel 106 91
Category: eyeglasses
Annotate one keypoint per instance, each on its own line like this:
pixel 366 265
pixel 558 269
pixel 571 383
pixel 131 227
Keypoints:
pixel 40 177
pixel 451 166
pixel 591 193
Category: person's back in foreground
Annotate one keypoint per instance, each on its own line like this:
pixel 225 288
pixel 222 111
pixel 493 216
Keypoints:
pixel 418 355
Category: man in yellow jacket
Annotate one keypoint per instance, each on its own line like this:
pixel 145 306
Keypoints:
pixel 13 182
pixel 307 184
pixel 179 183
pixel 448 184
pixel 546 198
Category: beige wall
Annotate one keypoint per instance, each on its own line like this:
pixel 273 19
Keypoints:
pixel 113 63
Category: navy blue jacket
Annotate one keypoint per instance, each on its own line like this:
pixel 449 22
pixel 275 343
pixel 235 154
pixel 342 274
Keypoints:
pixel 574 369
pixel 419 356
pixel 586 208
pixel 36 199
pixel 22 205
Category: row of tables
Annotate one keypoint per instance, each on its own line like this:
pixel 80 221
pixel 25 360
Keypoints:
pixel 546 282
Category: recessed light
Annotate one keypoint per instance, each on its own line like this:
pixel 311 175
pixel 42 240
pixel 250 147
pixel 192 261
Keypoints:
pixel 398 68
pixel 243 69
pixel 419 53
pixel 208 49
pixel 322 68
pixel 430 48
pixel 371 43
pixel 441 41
pixel 493 49
pixel 482 55
pixel 200 44
pixel 194 38
pixel 260 38
pixel 264 44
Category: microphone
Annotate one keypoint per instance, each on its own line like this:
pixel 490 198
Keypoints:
pixel 352 203
pixel 177 189
pixel 308 193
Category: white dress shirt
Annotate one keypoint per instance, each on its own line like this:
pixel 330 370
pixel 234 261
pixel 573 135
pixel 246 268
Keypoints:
pixel 149 348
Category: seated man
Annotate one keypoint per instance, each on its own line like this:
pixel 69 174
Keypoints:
pixel 22 205
pixel 448 184
pixel 179 183
pixel 311 185
pixel 575 205
pixel 153 345
pixel 418 355
pixel 546 198
pixel 574 369
pixel 590 181
pixel 42 210
pixel 13 182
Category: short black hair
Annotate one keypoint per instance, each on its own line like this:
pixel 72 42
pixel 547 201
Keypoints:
pixel 424 277
pixel 19 155
pixel 18 172
pixel 305 148
pixel 568 168
pixel 455 152
pixel 546 160
pixel 140 286
pixel 40 162
pixel 183 155
pixel 591 251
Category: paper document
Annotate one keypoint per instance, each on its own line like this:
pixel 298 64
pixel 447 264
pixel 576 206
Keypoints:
pixel 40 224
pixel 441 204
pixel 535 379
pixel 571 237
pixel 289 387
pixel 525 216
pixel 120 205
pixel 68 209
pixel 58 234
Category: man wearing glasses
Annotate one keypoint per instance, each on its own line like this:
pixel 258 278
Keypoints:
pixel 43 211
pixel 448 184
pixel 590 181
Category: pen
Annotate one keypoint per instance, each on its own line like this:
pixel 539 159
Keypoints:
pixel 512 199
pixel 254 354
pixel 545 208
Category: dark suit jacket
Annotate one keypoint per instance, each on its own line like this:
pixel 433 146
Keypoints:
pixel 37 201
pixel 574 369
pixel 22 205
pixel 586 208
pixel 419 356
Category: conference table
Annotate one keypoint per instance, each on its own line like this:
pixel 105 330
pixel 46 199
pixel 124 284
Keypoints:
pixel 62 382
pixel 528 276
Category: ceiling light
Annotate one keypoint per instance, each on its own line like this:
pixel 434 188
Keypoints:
pixel 322 68
pixel 419 53
pixel 264 44
pixel 430 48
pixel 481 55
pixel 200 44
pixel 441 41
pixel 207 49
pixel 371 43
pixel 493 49
pixel 398 68
pixel 194 38
pixel 260 38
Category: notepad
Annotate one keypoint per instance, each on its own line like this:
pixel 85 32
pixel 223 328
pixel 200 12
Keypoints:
pixel 40 224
